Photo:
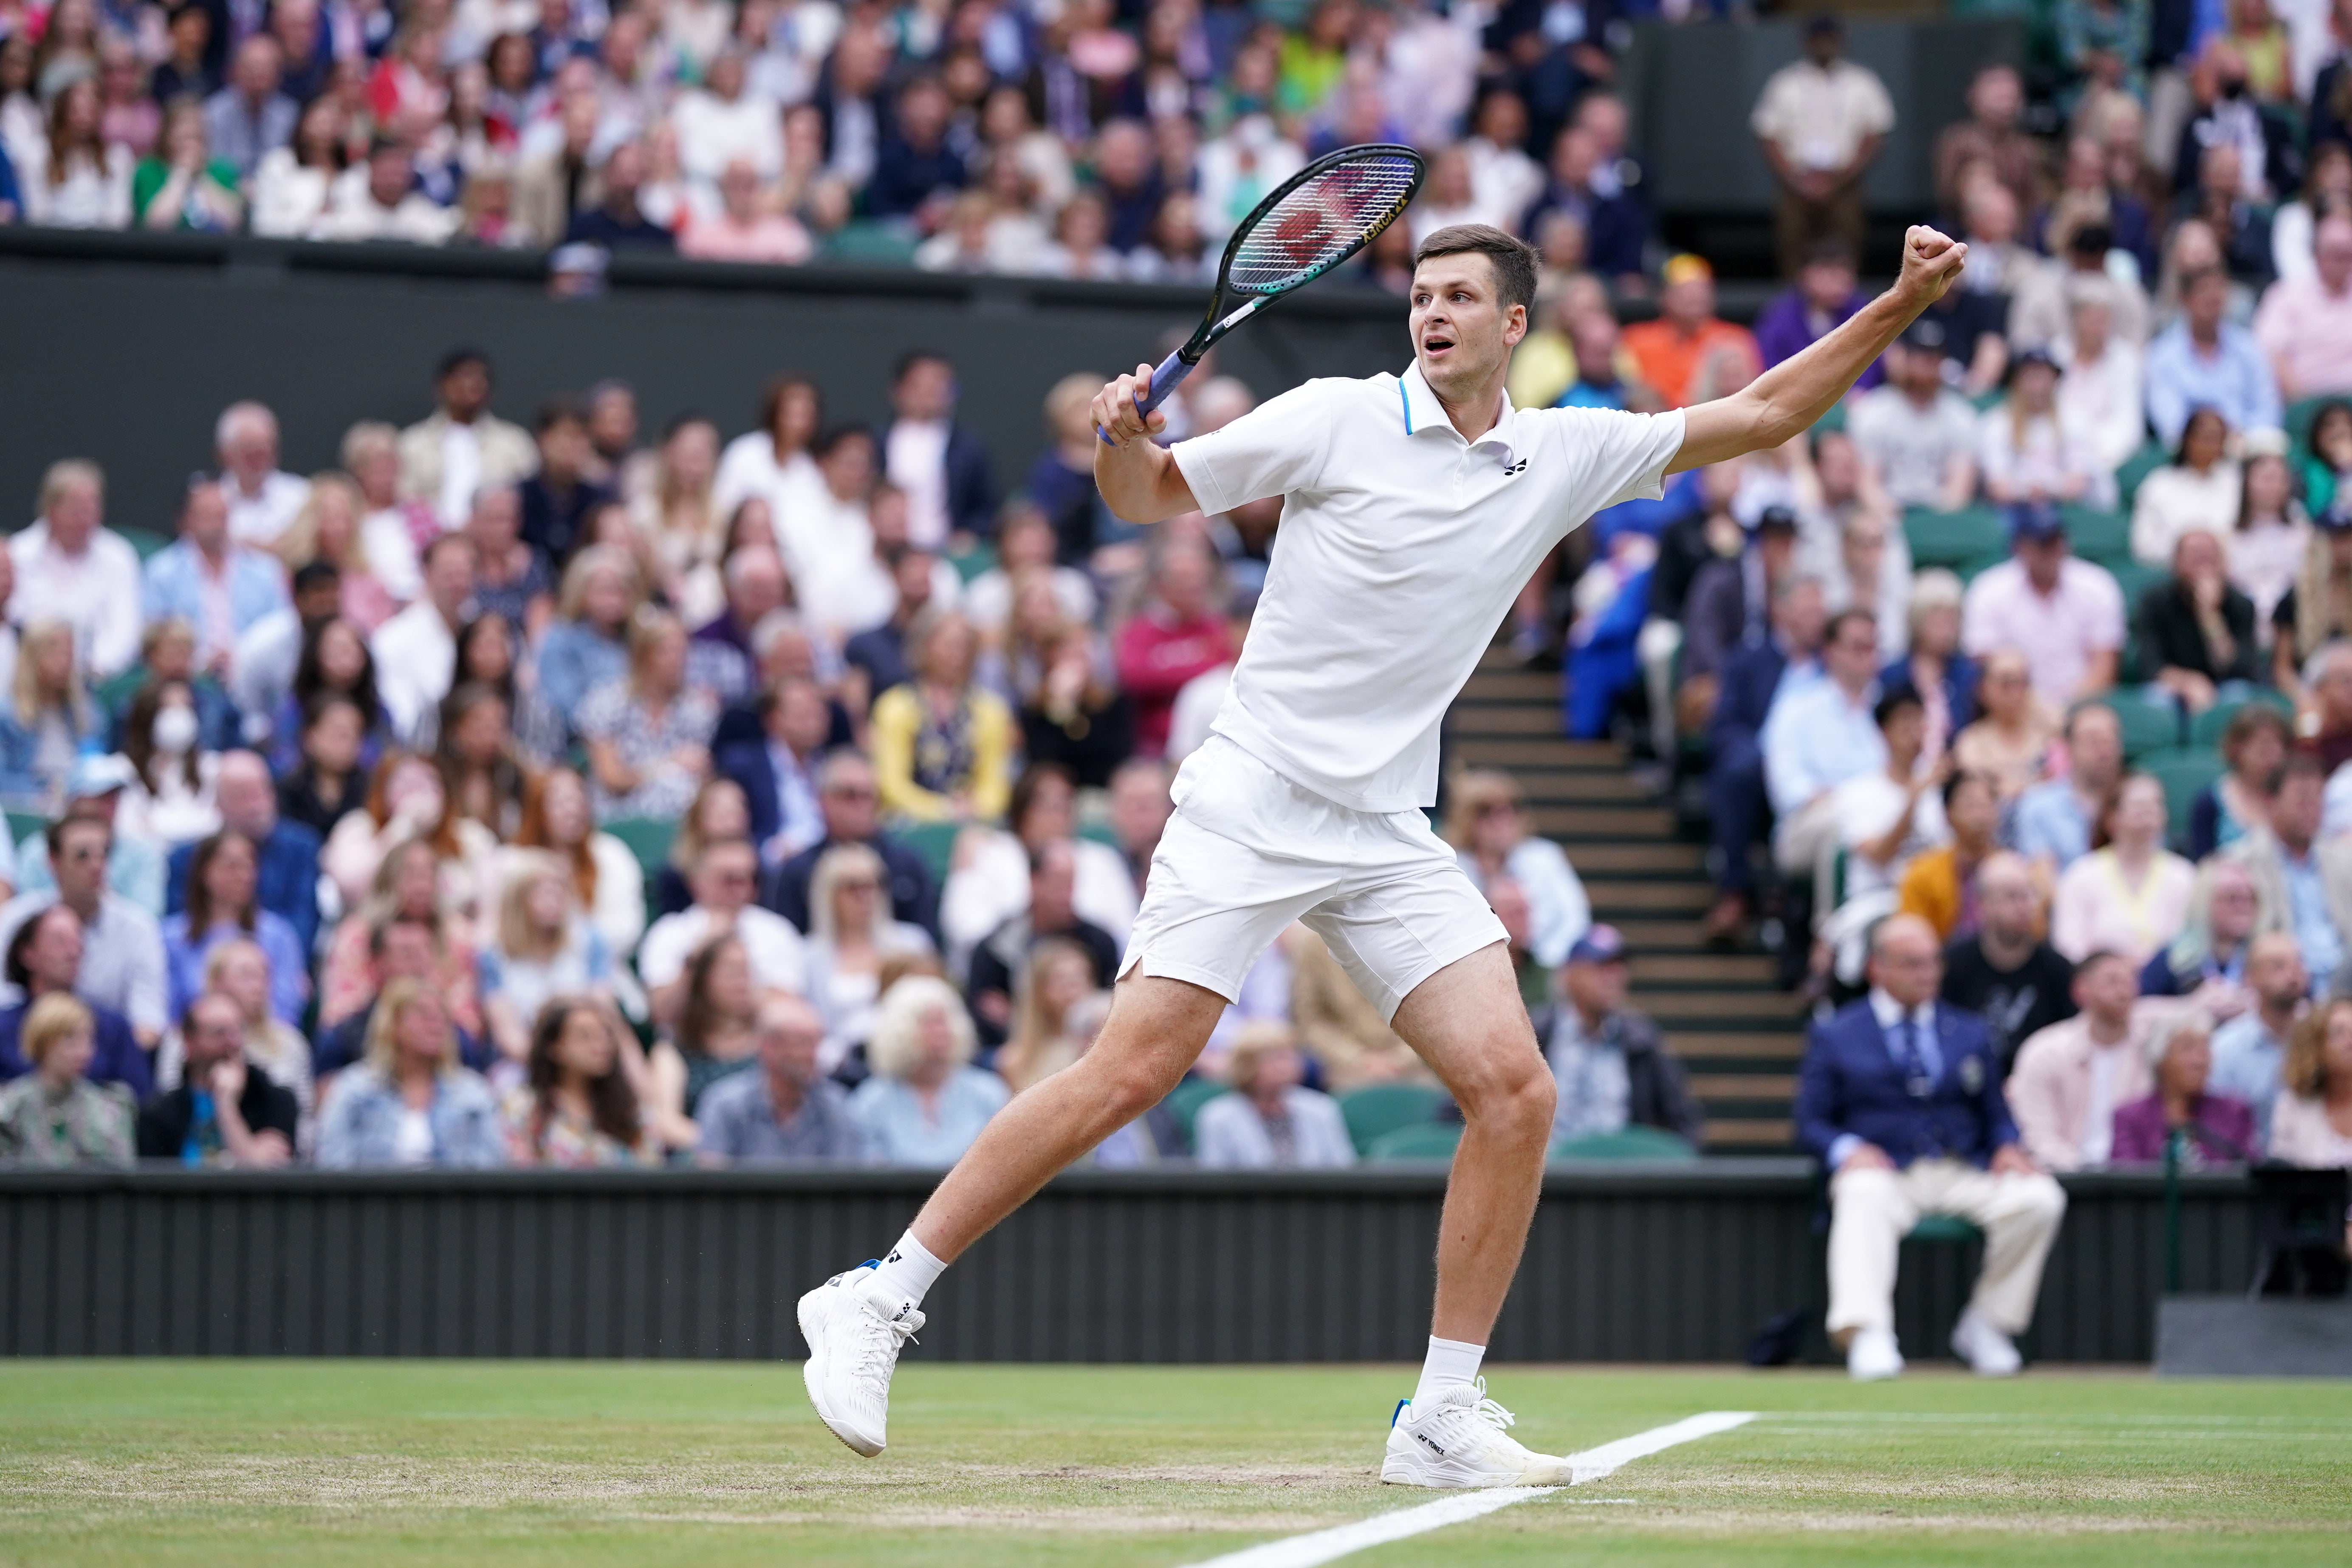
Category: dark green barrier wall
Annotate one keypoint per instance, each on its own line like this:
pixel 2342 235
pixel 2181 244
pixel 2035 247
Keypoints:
pixel 1657 1264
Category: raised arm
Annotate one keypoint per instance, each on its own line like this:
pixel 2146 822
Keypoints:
pixel 1138 480
pixel 1791 396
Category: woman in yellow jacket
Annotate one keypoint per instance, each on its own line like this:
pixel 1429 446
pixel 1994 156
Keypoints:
pixel 942 746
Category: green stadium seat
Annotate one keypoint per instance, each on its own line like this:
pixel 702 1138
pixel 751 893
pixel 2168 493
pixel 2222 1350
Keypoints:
pixel 1099 832
pixel 1184 1102
pixel 934 841
pixel 2101 536
pixel 1969 571
pixel 1953 538
pixel 1435 1141
pixel 144 541
pixel 24 825
pixel 647 838
pixel 2149 717
pixel 1629 1142
pixel 2134 580
pixel 1834 421
pixel 2206 729
pixel 2302 412
pixel 2183 771
pixel 2137 467
pixel 1944 1228
pixel 868 240
pixel 1379 1108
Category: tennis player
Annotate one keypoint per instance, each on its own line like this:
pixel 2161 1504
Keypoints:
pixel 1413 507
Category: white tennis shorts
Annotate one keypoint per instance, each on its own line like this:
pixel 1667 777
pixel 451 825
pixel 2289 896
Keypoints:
pixel 1248 852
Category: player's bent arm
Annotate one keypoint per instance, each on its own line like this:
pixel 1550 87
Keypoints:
pixel 1138 480
pixel 1791 397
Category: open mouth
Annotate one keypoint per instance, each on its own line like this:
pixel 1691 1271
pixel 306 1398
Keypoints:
pixel 1436 343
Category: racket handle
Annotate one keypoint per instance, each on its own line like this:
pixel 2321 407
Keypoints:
pixel 1165 378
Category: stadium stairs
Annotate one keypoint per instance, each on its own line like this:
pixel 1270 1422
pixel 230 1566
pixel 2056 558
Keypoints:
pixel 1736 1033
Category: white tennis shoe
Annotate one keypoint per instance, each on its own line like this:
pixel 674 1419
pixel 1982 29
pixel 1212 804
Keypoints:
pixel 1989 1351
pixel 1462 1438
pixel 854 1342
pixel 1873 1356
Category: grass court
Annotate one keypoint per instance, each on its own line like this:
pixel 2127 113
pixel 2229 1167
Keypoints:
pixel 257 1462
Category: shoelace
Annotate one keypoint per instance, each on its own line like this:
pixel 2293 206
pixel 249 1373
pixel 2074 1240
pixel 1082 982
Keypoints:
pixel 877 1354
pixel 1491 1412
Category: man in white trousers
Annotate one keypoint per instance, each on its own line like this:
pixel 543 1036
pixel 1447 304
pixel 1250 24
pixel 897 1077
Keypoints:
pixel 1414 505
pixel 1900 1095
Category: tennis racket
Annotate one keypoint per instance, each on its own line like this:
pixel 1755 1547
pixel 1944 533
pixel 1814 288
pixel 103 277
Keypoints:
pixel 1315 220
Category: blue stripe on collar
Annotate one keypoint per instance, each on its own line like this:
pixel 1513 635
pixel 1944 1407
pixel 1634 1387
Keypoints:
pixel 1404 402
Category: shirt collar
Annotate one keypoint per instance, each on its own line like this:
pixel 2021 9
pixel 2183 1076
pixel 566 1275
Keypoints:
pixel 1889 1012
pixel 1423 414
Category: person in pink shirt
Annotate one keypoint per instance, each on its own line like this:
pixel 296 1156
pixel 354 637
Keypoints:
pixel 2065 615
pixel 742 231
pixel 2305 324
pixel 1177 634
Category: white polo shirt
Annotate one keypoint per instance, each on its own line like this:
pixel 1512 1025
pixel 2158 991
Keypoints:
pixel 1401 546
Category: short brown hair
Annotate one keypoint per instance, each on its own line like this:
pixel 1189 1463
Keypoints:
pixel 2303 1073
pixel 1513 258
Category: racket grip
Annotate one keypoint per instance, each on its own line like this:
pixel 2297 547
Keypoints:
pixel 1166 377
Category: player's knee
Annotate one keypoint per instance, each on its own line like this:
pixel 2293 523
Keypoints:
pixel 1132 1086
pixel 1518 1099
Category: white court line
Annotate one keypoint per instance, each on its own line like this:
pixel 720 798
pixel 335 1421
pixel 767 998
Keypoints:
pixel 1326 1545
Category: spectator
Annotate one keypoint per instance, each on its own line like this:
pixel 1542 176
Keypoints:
pixel 1177 634
pixel 2071 1077
pixel 290 183
pixel 915 168
pixel 411 1102
pixel 1024 544
pixel 407 801
pixel 541 949
pixel 47 720
pixel 577 1108
pixel 1271 1121
pixel 2327 693
pixel 2066 616
pixel 415 652
pixel 606 877
pixel 55 1114
pixel 1051 993
pixel 68 565
pixel 208 579
pixel 2326 188
pixel 170 797
pixel 1728 599
pixel 1737 801
pixel 720 653
pixel 777 774
pixel 2198 629
pixel 1609 1062
pixel 511 580
pixel 1918 436
pixel 2274 535
pixel 1613 217
pixel 2213 1129
pixel 1992 139
pixel 1072 712
pixel 718 812
pixel 2203 361
pixel 1902 1099
pixel 941 742
pixel 724 881
pixel 44 960
pixel 1939 884
pixel 999 961
pixel 379 200
pixel 239 971
pixel 2004 972
pixel 225 1112
pixel 848 799
pixel 740 230
pixel 1823 297
pixel 587 647
pixel 2208 959
pixel 1822 121
pixel 787 1111
pixel 290 851
pixel 648 736
pixel 990 882
pixel 851 937
pixel 74 177
pixel 180 186
pixel 712 1036
pixel 2311 1125
pixel 250 117
pixel 2250 1050
pixel 122 949
pixel 557 498
pixel 924 1103
pixel 1487 824
pixel 330 527
pixel 1819 736
pixel 1689 353
pixel 2305 324
pixel 222 876
pixel 2253 748
pixel 1945 678
pixel 2100 395
pixel 2304 884
pixel 1884 818
pixel 2051 823
pixel 2129 894
pixel 939 465
pixel 2028 453
pixel 2009 744
pixel 462 448
pixel 134 866
pixel 2201 489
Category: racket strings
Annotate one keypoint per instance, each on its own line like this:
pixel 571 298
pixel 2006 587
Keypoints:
pixel 1322 221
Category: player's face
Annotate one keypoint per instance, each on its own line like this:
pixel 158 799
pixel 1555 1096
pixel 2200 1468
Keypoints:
pixel 1461 333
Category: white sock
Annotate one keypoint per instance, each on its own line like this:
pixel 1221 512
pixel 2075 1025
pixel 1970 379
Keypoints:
pixel 1451 1363
pixel 907 1271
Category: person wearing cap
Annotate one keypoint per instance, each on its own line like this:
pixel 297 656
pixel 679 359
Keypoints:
pixel 2305 324
pixel 2204 360
pixel 1917 436
pixel 135 867
pixel 1688 354
pixel 1611 1062
pixel 2026 452
pixel 2065 615
pixel 1820 123
pixel 1821 297
pixel 1731 596
pixel 122 946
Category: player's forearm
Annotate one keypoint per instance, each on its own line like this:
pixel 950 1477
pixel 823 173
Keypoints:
pixel 1791 397
pixel 1140 482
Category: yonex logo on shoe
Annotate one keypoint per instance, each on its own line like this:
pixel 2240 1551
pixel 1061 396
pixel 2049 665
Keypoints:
pixel 1426 1441
pixel 893 1257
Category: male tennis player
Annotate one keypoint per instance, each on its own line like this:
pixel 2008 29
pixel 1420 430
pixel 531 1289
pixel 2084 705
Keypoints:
pixel 1413 507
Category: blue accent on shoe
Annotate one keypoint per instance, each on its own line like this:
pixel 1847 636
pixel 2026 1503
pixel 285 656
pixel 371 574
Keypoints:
pixel 871 1263
pixel 1395 1415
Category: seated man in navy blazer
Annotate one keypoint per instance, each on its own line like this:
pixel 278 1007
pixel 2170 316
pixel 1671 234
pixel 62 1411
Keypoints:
pixel 1901 1097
